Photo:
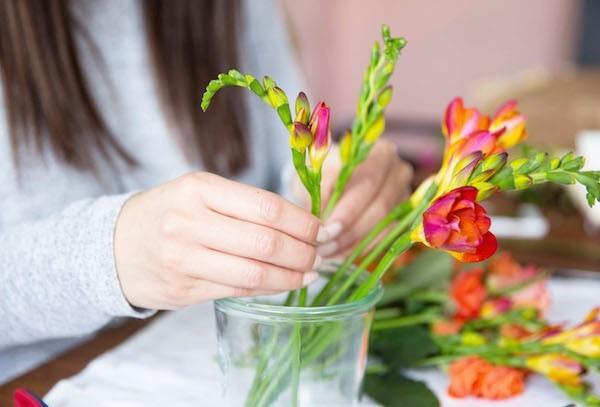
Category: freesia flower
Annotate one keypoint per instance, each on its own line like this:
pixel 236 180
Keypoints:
pixel 468 292
pixel 557 368
pixel 506 272
pixel 583 339
pixel 474 376
pixel 495 307
pixel 511 125
pixel 444 327
pixel 455 222
pixel 319 127
pixel 460 122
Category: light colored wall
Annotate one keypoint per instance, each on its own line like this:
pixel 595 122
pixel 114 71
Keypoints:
pixel 452 45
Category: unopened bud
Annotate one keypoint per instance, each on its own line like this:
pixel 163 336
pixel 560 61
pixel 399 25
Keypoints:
pixel 385 96
pixel 346 147
pixel 374 132
pixel 277 96
pixel 302 108
pixel 300 137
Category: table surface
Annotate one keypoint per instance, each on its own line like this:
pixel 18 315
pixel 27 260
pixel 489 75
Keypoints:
pixel 42 378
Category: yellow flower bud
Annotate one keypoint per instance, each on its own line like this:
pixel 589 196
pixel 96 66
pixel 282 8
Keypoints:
pixel 375 130
pixel 346 147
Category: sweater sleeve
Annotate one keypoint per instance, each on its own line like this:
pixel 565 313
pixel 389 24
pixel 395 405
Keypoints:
pixel 58 275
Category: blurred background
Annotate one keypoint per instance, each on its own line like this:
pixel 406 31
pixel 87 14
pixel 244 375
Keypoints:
pixel 543 53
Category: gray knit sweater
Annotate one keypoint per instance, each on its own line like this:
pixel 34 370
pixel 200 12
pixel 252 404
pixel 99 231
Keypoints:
pixel 58 282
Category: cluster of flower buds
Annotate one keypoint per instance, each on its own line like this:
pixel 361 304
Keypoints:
pixel 310 131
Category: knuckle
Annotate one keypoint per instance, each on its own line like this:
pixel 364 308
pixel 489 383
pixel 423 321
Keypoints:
pixel 255 275
pixel 308 258
pixel 405 170
pixel 271 207
pixel 311 229
pixel 267 243
pixel 169 224
pixel 190 184
pixel 295 280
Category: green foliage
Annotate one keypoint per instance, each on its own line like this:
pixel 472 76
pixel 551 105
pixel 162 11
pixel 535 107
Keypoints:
pixel 402 347
pixel 430 269
pixel 391 389
pixel 536 167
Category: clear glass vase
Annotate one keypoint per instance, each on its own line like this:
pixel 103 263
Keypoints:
pixel 275 355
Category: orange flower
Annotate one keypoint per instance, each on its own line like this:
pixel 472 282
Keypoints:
pixel 474 376
pixel 469 293
pixel 501 382
pixel 444 327
pixel 464 374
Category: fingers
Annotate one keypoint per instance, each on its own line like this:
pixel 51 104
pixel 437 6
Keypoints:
pixel 364 186
pixel 261 207
pixel 394 189
pixel 235 237
pixel 204 290
pixel 225 269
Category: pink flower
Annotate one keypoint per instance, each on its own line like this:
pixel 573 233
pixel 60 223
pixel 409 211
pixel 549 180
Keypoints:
pixel 319 127
pixel 455 222
pixel 460 122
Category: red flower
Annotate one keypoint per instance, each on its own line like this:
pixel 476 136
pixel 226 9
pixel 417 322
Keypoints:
pixel 455 222
pixel 469 293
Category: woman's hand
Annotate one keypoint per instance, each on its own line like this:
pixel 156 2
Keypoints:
pixel 377 185
pixel 202 237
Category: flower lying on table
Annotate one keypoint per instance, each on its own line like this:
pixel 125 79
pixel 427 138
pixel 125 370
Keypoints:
pixel 444 213
pixel 486 324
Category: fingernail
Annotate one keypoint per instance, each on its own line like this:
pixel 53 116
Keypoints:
pixel 309 277
pixel 328 248
pixel 329 232
pixel 318 261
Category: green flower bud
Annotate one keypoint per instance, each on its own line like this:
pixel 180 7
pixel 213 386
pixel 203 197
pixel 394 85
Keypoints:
pixel 385 96
pixel 522 181
pixel 302 108
pixel 277 96
pixel 300 137
pixel 472 339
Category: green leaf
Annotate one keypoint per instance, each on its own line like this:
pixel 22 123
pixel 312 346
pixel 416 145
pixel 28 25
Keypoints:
pixel 402 347
pixel 394 390
pixel 430 269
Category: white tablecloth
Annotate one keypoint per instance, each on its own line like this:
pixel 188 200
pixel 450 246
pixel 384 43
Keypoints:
pixel 172 362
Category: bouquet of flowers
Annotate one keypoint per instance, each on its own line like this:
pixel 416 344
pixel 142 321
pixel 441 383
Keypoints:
pixel 485 325
pixel 443 213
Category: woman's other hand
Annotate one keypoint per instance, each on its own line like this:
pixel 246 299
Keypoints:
pixel 202 237
pixel 377 185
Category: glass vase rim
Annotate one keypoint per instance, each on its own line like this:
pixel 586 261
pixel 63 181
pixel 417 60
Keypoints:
pixel 246 306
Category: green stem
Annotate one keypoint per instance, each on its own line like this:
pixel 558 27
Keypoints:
pixel 371 257
pixel 398 212
pixel 409 320
pixel 402 244
pixel 338 189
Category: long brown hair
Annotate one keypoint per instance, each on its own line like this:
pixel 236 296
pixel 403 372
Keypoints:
pixel 49 104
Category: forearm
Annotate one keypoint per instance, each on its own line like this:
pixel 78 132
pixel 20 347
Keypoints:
pixel 58 274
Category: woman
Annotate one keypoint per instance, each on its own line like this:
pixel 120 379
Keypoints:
pixel 111 205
